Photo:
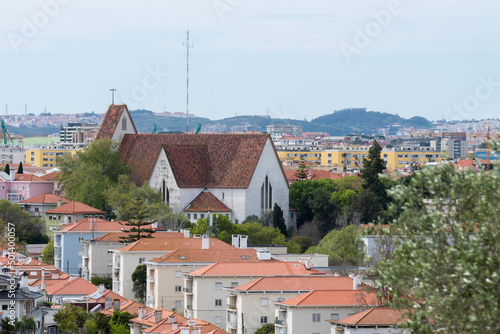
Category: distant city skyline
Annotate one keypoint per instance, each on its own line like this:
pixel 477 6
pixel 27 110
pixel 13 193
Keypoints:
pixel 288 59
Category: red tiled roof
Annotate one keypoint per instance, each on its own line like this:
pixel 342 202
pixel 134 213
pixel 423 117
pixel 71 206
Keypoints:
pixel 130 306
pixel 115 236
pixel 208 256
pixel 50 282
pixel 97 297
pixel 50 176
pixel 46 198
pixel 333 297
pixel 149 318
pixel 281 283
pixel 154 245
pixel 29 178
pixel 111 120
pixel 262 268
pixel 197 160
pixel 379 316
pixel 100 225
pixel 312 175
pixel 76 286
pixel 75 208
pixel 206 201
pixel 164 327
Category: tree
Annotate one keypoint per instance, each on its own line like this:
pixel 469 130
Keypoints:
pixel 26 326
pixel 301 172
pixel 20 168
pixel 265 329
pixel 48 252
pixel 119 322
pixel 71 318
pixel 7 169
pixel 303 242
pixel 139 280
pixel 8 326
pixel 344 247
pixel 446 264
pixel 374 165
pixel 278 219
pixel 86 176
pixel 107 280
pixel 222 228
pixel 28 229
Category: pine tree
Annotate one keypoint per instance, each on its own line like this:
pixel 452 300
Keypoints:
pixel 7 169
pixel 372 167
pixel 139 210
pixel 20 168
pixel 278 219
pixel 301 173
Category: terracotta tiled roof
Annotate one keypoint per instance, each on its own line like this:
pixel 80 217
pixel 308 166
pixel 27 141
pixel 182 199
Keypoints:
pixel 379 316
pixel 76 286
pixel 154 245
pixel 303 283
pixel 100 225
pixel 50 282
pixel 115 236
pixel 208 256
pixel 75 208
pixel 206 201
pixel 312 175
pixel 333 297
pixel 111 121
pixel 130 306
pixel 197 160
pixel 164 327
pixel 97 297
pixel 262 268
pixel 50 176
pixel 149 319
pixel 46 198
pixel 29 178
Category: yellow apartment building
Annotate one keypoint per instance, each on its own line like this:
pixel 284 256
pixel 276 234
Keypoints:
pixel 288 157
pixel 46 157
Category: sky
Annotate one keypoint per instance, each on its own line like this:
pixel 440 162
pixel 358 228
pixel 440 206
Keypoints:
pixel 284 58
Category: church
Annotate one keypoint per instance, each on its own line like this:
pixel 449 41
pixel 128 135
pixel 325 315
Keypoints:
pixel 233 174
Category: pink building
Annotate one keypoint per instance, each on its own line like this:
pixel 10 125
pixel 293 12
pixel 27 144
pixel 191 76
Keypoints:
pixel 19 187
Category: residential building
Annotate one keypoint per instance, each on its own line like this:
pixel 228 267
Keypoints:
pixel 17 264
pixel 250 305
pixel 204 288
pixel 70 212
pixel 76 133
pixel 237 169
pixel 72 289
pixel 17 187
pixel 381 320
pixel 97 258
pixel 279 130
pixel 148 318
pixel 307 313
pixel 191 326
pixel 9 155
pixel 38 205
pixel 52 177
pixel 46 156
pixel 126 259
pixel 165 280
pixel 68 241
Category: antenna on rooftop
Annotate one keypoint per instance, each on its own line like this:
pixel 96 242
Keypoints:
pixel 188 46
pixel 113 90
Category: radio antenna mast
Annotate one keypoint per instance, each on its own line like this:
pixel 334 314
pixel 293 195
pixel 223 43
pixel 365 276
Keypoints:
pixel 188 46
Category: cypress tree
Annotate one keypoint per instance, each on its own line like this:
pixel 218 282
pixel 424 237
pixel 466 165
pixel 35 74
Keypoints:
pixel 20 168
pixel 278 219
pixel 7 169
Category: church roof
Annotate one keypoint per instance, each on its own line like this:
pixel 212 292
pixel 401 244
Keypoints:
pixel 197 160
pixel 206 201
pixel 111 121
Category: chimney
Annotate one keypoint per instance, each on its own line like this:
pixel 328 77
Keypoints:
pixel 205 242
pixel 12 175
pixel 116 304
pixel 235 241
pixel 184 330
pixel 108 303
pixel 158 315
pixel 24 280
pixel 307 263
pixel 59 202
pixel 187 233
pixel 154 225
pixel 142 312
pixel 243 241
pixel 42 286
pixel 356 281
pixel 71 277
pixel 263 254
pixel 175 325
pixel 55 275
pixel 100 288
pixel 171 319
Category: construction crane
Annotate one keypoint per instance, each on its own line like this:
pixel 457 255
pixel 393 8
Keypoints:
pixel 198 129
pixel 154 129
pixel 6 134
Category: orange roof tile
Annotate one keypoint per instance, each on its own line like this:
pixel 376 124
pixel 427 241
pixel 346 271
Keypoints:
pixel 49 282
pixel 50 176
pixel 115 236
pixel 262 268
pixel 46 198
pixel 29 178
pixel 76 286
pixel 76 208
pixel 98 225
pixel 379 316
pixel 164 327
pixel 111 120
pixel 208 256
pixel 281 283
pixel 332 297
pixel 197 160
pixel 97 297
pixel 130 306
pixel 154 245
pixel 206 201
pixel 149 318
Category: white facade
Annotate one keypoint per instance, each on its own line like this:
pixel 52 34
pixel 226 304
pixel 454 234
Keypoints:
pixel 97 258
pixel 124 126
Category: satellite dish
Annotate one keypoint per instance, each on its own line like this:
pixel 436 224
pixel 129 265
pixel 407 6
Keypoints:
pixel 27 260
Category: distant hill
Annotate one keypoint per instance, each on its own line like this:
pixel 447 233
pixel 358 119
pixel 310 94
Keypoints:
pixel 341 122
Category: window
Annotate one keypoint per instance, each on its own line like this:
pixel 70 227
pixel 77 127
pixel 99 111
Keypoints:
pixel 178 288
pixel 316 317
pixel 263 320
pixel 110 264
pixel 178 273
pixel 266 195
pixel 218 320
pixel 4 307
pixel 110 251
pixel 69 218
pixel 178 303
pixel 281 300
pixel 218 302
pixel 36 209
pixel 234 284
pixel 189 216
pixel 334 316
pixel 195 216
pixel 218 285
pixel 142 259
pixel 124 123
pixel 80 239
pixel 202 216
pixel 50 217
pixel 291 215
pixel 264 302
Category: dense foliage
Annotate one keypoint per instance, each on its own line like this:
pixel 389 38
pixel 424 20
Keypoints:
pixel 27 229
pixel 139 279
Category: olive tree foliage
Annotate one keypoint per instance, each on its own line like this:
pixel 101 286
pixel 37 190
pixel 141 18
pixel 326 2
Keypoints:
pixel 446 267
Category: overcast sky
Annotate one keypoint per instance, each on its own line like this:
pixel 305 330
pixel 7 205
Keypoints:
pixel 289 58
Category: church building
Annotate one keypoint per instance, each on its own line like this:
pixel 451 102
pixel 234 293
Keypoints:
pixel 233 174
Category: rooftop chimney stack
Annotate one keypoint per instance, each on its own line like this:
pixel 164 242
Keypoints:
pixel 100 288
pixel 42 286
pixel 59 202
pixel 142 312
pixel 116 304
pixel 235 241
pixel 243 241
pixel 108 303
pixel 12 175
pixel 205 242
pixel 158 315
pixel 175 325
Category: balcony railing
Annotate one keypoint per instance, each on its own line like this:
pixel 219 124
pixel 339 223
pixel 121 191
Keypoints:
pixel 280 322
pixel 232 324
pixel 231 307
pixel 188 290
pixel 150 279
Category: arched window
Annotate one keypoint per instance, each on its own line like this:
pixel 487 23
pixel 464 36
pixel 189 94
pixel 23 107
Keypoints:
pixel 165 192
pixel 266 195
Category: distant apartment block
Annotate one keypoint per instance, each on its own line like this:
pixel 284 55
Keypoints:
pixel 78 133
pixel 9 155
pixel 46 156
pixel 17 187
pixel 454 143
pixel 279 130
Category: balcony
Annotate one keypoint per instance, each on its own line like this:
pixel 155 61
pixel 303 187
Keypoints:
pixel 232 325
pixel 150 279
pixel 280 322
pixel 231 307
pixel 187 290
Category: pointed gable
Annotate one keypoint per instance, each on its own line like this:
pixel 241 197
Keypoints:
pixel 206 201
pixel 117 123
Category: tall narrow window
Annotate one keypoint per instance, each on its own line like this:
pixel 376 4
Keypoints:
pixel 124 123
pixel 266 195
